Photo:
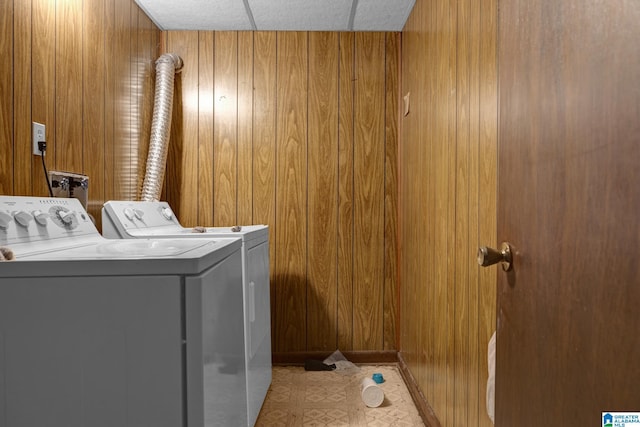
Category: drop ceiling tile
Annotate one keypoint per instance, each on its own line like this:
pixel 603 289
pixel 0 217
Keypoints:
pixel 382 15
pixel 304 15
pixel 197 14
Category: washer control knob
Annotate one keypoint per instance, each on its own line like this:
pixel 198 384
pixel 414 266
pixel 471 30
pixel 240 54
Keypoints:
pixel 41 217
pixel 23 218
pixel 128 212
pixel 167 213
pixel 5 219
pixel 67 217
pixel 138 213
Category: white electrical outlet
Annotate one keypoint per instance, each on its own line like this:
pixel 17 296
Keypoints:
pixel 39 134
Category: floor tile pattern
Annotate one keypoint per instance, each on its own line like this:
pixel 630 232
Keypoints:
pixel 330 399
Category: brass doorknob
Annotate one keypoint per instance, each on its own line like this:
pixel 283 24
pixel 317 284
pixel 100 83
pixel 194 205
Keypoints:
pixel 489 256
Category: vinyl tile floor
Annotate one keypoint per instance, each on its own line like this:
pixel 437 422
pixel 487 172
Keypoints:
pixel 328 398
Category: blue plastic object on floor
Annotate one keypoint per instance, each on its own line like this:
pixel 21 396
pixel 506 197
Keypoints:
pixel 377 378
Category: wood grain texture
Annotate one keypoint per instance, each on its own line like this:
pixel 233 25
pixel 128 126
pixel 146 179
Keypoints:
pixel 345 191
pixel 93 78
pixel 225 124
pixel 424 222
pixel 487 177
pixel 450 44
pixel 264 147
pixel 272 157
pixel 476 399
pixel 425 197
pixel 407 199
pixel 567 186
pixel 423 219
pixel 206 81
pixel 464 130
pixel 322 204
pixel 6 98
pixel 43 56
pixel 148 42
pixel 291 192
pixel 445 273
pixel 110 105
pixel 183 144
pixel 136 99
pixel 137 129
pixel 392 111
pixel 284 177
pixel 22 128
pixel 369 191
pixel 425 410
pixel 123 78
pixel 244 204
pixel 358 357
pixel 90 94
pixel 447 206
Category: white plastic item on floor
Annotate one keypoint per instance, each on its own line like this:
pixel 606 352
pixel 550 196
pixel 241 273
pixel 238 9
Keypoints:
pixel 372 395
pixel 343 366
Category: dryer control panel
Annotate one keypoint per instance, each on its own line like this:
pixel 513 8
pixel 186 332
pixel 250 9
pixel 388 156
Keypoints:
pixel 26 219
pixel 139 214
pixel 136 219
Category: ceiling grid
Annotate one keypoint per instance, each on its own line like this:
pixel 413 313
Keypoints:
pixel 278 15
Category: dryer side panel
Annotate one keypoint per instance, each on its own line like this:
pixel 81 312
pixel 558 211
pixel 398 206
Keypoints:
pixel 216 371
pixel 257 326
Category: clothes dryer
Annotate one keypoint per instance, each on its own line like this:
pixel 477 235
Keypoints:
pixel 97 332
pixel 140 219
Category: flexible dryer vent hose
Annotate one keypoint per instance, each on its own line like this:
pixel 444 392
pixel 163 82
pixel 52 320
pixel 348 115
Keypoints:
pixel 166 67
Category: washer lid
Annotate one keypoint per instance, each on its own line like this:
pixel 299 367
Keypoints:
pixel 125 257
pixel 246 233
pixel 148 247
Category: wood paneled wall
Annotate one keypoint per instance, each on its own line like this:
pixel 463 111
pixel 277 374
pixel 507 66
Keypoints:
pixel 447 206
pixel 297 130
pixel 84 68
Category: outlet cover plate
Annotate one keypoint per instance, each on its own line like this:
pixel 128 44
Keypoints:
pixel 39 134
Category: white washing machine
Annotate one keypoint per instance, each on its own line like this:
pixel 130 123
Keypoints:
pixel 97 332
pixel 139 219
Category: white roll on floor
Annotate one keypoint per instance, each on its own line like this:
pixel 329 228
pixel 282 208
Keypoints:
pixel 372 395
